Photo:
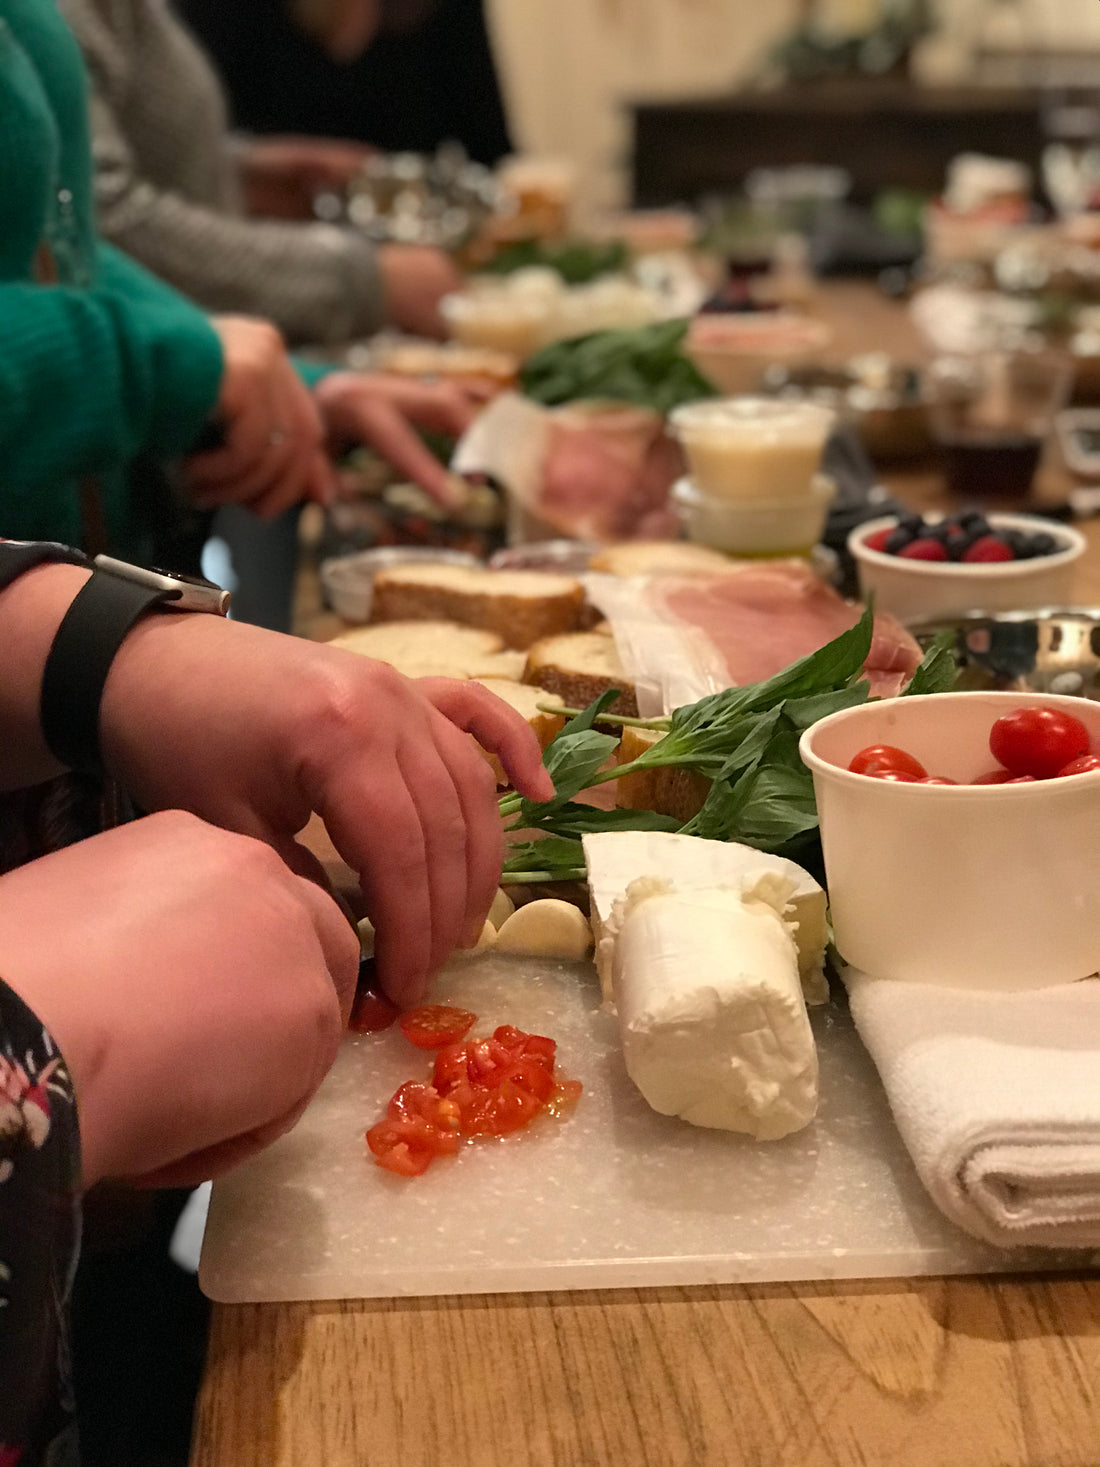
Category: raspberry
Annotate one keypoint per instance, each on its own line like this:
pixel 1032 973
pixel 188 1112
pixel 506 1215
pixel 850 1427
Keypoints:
pixel 878 540
pixel 986 550
pixel 924 549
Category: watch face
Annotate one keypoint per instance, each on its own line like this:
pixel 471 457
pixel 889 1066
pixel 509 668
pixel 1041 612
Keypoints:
pixel 187 580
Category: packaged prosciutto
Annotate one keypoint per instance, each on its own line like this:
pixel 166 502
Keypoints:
pixel 683 637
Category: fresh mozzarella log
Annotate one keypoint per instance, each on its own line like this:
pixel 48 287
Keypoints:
pixel 615 859
pixel 711 1014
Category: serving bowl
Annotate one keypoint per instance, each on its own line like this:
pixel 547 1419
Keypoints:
pixel 1055 650
pixel 965 886
pixel 735 350
pixel 915 589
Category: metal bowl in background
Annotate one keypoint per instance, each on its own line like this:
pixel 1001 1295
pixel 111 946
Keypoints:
pixel 1056 650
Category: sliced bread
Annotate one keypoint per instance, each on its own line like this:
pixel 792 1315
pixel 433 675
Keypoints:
pixel 676 792
pixel 580 666
pixel 426 648
pixel 649 557
pixel 525 700
pixel 519 606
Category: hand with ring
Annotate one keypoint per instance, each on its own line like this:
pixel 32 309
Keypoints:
pixel 273 454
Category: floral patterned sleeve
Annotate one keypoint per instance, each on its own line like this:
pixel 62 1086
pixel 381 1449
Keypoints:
pixel 39 1241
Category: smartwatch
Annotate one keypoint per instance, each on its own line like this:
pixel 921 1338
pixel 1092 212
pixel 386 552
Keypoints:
pixel 102 613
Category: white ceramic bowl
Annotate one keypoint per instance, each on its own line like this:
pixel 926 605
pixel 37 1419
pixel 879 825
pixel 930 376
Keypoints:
pixel 987 886
pixel 734 351
pixel 924 589
pixel 758 527
pixel 752 448
pixel 348 580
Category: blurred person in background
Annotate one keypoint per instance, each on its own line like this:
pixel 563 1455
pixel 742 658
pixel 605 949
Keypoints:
pixel 401 75
pixel 171 190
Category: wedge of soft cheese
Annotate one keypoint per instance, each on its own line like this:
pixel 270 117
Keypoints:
pixel 615 859
pixel 711 1014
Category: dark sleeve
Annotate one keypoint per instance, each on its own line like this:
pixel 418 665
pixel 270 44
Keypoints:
pixel 39 1237
pixel 477 107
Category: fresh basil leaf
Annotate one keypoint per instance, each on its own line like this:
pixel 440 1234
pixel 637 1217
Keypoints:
pixel 553 854
pixel 643 365
pixel 572 762
pixel 766 808
pixel 574 819
pixel 938 670
pixel 804 711
pixel 587 719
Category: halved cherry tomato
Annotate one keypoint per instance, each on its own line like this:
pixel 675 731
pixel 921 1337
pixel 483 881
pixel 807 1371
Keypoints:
pixel 434 1025
pixel 371 1011
pixel 876 759
pixel 417 1101
pixel 1084 765
pixel 409 1144
pixel 1038 741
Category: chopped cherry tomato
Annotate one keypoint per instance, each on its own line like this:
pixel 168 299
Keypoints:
pixel 417 1101
pixel 1038 741
pixel 371 1011
pixel 408 1144
pixel 876 759
pixel 1083 765
pixel 529 1075
pixel 434 1025
pixel 497 1112
pixel 566 1093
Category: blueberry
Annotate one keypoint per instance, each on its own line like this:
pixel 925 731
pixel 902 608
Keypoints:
pixel 899 540
pixel 974 522
pixel 911 522
pixel 1044 544
pixel 1020 543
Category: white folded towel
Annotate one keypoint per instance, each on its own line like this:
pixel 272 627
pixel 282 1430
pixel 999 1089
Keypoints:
pixel 997 1098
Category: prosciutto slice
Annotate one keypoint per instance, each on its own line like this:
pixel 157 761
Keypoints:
pixel 760 618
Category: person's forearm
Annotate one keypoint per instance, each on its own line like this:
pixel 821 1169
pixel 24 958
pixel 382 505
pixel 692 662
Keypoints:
pixel 31 609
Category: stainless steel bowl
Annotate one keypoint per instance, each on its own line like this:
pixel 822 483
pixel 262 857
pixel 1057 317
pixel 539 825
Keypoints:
pixel 1056 650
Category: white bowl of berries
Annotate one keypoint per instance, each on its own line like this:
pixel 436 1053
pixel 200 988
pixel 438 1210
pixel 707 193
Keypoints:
pixel 935 566
pixel 961 836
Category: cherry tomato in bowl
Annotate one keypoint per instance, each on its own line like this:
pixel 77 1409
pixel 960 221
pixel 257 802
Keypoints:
pixel 879 759
pixel 1038 741
pixel 1084 764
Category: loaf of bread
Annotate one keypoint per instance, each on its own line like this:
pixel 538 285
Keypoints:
pixel 525 700
pixel 519 606
pixel 434 649
pixel 579 667
pixel 676 792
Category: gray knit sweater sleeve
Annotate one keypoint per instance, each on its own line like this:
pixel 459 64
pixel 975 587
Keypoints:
pixel 166 196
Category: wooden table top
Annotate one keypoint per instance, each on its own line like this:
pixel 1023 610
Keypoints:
pixel 1000 1372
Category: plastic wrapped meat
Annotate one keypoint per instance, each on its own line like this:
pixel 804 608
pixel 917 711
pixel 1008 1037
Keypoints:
pixel 762 617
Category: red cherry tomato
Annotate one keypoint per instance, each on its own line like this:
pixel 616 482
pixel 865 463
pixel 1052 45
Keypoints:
pixel 936 779
pixel 371 1011
pixel 435 1025
pixel 896 776
pixel 993 776
pixel 877 759
pixel 1084 765
pixel 1038 741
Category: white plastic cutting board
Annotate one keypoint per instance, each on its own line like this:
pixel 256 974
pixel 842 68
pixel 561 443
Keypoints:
pixel 612 1196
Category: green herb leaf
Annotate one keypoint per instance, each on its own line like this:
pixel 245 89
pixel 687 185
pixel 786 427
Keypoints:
pixel 572 762
pixel 644 366
pixel 938 670
pixel 574 819
pixel 554 853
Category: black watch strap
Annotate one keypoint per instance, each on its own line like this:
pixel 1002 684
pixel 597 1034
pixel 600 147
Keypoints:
pixel 18 556
pixel 91 631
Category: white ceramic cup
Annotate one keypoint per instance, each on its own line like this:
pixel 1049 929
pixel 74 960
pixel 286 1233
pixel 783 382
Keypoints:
pixel 987 886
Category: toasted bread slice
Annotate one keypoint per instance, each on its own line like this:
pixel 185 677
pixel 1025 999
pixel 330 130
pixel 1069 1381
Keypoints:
pixel 676 792
pixel 520 606
pixel 580 666
pixel 525 700
pixel 647 557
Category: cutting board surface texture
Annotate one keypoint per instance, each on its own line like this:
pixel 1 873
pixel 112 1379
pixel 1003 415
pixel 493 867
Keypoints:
pixel 611 1195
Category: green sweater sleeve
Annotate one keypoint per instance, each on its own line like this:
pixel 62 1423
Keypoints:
pixel 90 377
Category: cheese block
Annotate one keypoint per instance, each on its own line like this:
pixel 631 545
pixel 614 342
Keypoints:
pixel 434 649
pixel 615 859
pixel 520 606
pixel 525 700
pixel 580 666
pixel 713 1023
